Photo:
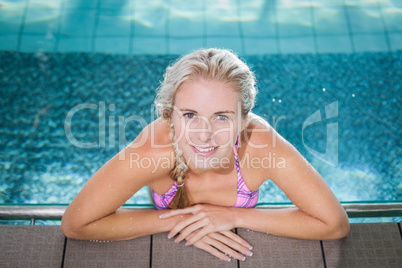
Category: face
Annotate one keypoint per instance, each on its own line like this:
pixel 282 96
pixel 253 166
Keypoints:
pixel 207 119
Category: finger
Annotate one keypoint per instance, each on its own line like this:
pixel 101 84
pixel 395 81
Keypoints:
pixel 198 225
pixel 237 238
pixel 213 251
pixel 192 234
pixel 231 243
pixel 225 248
pixel 183 224
pixel 175 212
pixel 203 231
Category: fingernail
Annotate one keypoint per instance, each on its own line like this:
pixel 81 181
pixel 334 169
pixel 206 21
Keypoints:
pixel 227 259
pixel 250 247
pixel 249 253
pixel 187 243
pixel 176 241
pixel 161 216
pixel 169 236
pixel 243 259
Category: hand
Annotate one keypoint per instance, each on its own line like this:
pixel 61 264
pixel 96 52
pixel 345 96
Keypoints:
pixel 224 245
pixel 204 219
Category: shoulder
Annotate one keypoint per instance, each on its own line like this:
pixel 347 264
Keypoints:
pixel 259 134
pixel 265 148
pixel 154 135
pixel 275 153
pixel 151 153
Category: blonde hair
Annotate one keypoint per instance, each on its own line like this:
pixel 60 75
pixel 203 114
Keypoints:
pixel 212 64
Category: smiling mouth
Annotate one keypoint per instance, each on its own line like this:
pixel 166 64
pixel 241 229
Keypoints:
pixel 205 150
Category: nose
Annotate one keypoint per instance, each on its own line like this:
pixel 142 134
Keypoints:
pixel 203 131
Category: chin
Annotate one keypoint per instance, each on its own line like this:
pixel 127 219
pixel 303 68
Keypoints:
pixel 215 161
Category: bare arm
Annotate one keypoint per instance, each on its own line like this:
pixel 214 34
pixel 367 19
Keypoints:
pixel 95 214
pixel 318 214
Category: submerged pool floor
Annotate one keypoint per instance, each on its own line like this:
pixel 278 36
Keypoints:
pixel 65 114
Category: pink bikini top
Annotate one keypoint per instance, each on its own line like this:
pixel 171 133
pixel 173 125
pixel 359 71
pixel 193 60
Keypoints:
pixel 245 197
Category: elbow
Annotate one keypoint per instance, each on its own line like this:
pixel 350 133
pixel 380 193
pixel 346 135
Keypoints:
pixel 342 230
pixel 67 231
pixel 70 229
pixel 339 228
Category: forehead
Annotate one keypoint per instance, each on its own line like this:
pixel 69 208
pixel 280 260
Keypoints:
pixel 207 95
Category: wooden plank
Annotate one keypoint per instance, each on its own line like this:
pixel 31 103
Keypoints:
pixel 367 245
pixel 166 253
pixel 131 253
pixel 31 246
pixel 275 251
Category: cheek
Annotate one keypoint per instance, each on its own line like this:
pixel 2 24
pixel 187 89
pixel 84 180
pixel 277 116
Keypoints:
pixel 178 128
pixel 182 134
pixel 225 136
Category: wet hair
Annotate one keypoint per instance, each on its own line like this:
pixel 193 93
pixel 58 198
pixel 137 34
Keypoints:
pixel 211 64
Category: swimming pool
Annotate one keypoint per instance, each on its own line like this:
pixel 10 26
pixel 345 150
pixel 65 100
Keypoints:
pixel 78 79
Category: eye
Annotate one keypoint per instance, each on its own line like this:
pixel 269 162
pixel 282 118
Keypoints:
pixel 222 117
pixel 189 115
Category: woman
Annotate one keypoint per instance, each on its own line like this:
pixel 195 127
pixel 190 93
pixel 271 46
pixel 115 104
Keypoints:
pixel 208 155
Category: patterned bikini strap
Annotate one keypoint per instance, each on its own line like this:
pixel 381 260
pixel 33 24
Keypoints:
pixel 236 156
pixel 235 151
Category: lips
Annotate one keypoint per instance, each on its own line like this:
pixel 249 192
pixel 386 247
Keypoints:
pixel 205 151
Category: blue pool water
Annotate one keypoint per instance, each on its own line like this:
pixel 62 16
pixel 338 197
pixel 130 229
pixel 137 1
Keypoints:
pixel 329 80
pixel 42 163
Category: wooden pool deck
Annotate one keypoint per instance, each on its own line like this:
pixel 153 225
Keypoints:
pixel 368 245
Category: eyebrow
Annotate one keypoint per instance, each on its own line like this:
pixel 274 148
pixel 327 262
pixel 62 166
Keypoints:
pixel 219 112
